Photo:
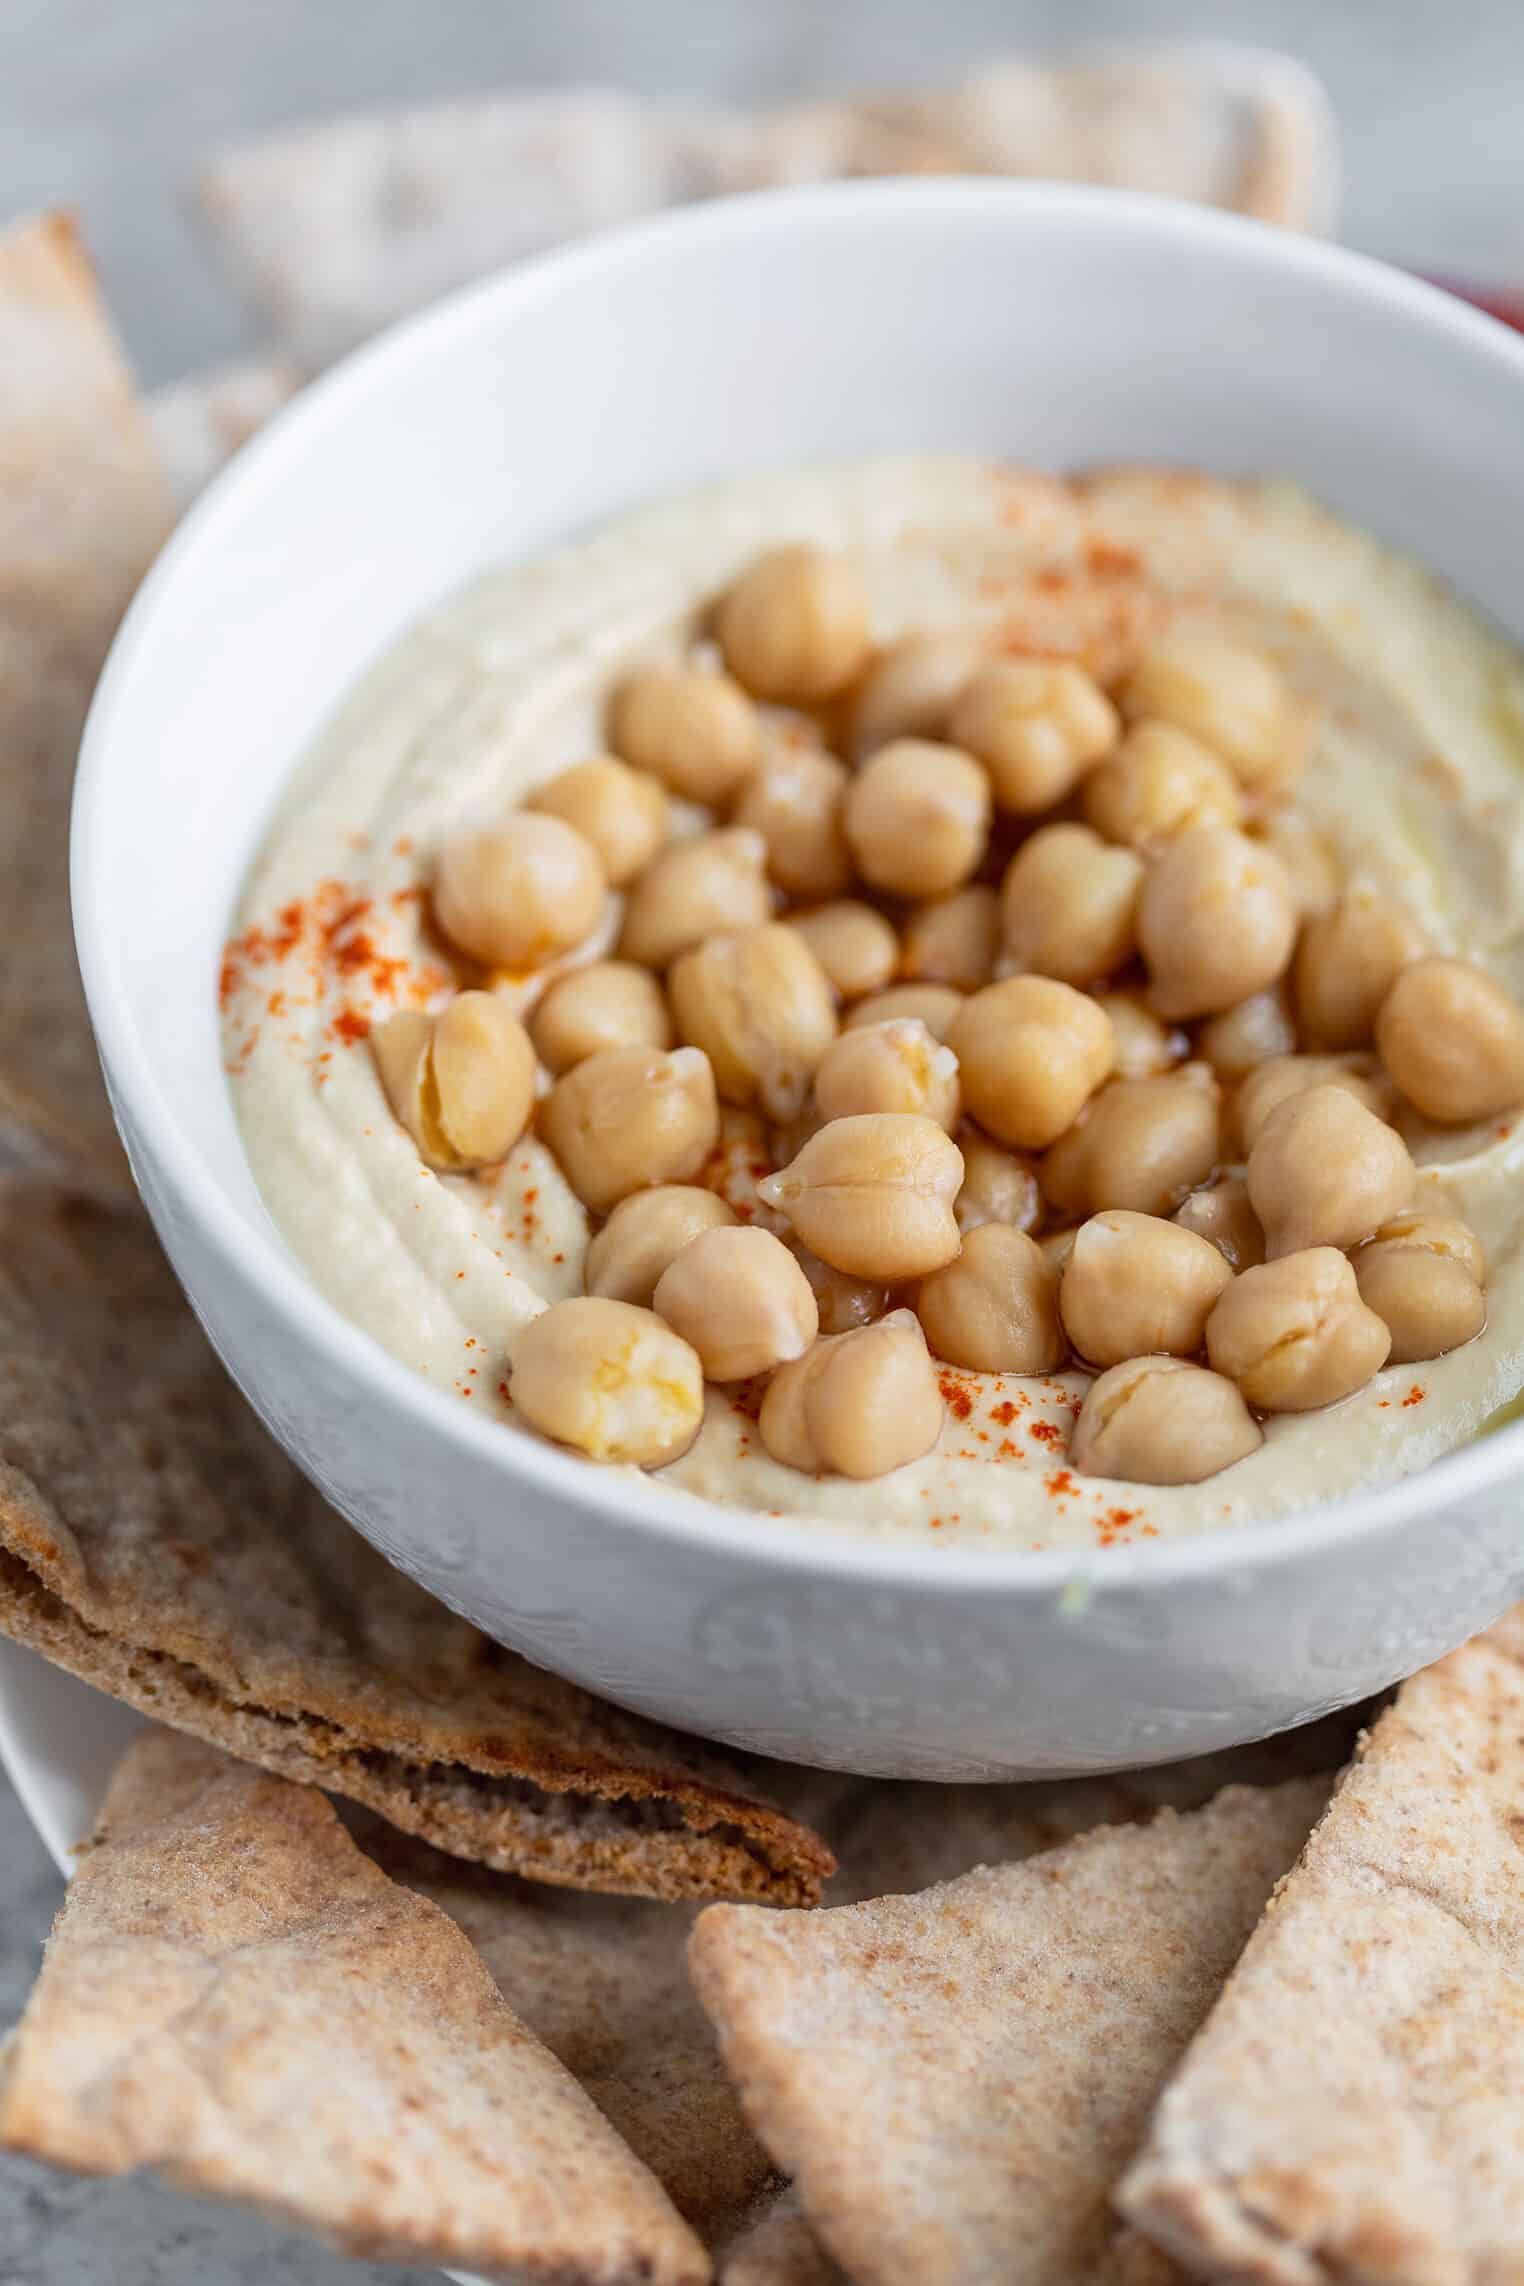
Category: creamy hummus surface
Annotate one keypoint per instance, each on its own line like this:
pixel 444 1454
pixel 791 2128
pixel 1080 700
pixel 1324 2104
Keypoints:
pixel 1416 779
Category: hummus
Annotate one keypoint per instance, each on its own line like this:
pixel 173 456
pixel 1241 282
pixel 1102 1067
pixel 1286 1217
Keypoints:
pixel 1416 780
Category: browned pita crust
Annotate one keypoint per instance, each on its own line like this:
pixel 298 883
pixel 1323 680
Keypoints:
pixel 82 510
pixel 955 2079
pixel 236 1997
pixel 154 1541
pixel 1354 2109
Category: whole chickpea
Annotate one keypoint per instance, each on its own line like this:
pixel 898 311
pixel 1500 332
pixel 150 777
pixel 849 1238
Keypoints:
pixel 843 1302
pixel 1326 1172
pixel 1227 694
pixel 1294 1333
pixel 1068 905
pixel 742 1301
pixel 1241 1038
pixel 1216 921
pixel 759 1005
pixel 1036 725
pixel 853 943
pixel 609 1379
pixel 1346 963
pixel 692 888
pixel 1453 1040
pixel 1142 1044
pixel 997 1185
pixel 1056 1246
pixel 795 802
pixel 695 730
pixel 1134 1285
pixel 1157 1420
pixel 794 627
pixel 954 939
pixel 461 1082
pixel 607 1004
pixel 1031 1052
pixel 873 1195
pixel 917 818
pixel 995 1309
pixel 1222 1213
pixel 1275 1081
pixel 624 813
pixel 1306 856
pixel 515 894
pixel 626 1118
pixel 896 1066
pixel 934 1005
pixel 1425 1276
pixel 1143 1144
pixel 858 1404
pixel 646 1232
pixel 1159 781
pixel 912 687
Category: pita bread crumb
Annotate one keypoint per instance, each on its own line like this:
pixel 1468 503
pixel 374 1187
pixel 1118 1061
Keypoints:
pixel 1354 2108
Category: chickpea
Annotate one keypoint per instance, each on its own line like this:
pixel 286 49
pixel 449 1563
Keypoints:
pixel 889 1067
pixel 934 1005
pixel 917 818
pixel 695 730
pixel 607 1004
pixel 855 946
pixel 1159 781
pixel 1425 1276
pixel 1142 1145
pixel 1157 1420
pixel 1134 1284
pixel 1346 963
pixel 742 1301
pixel 1307 858
pixel 515 894
pixel 996 1308
pixel 609 1379
pixel 1222 1214
pixel 795 803
pixel 1030 1054
pixel 1453 1040
pixel 858 1404
pixel 843 1302
pixel 1216 921
pixel 1141 1043
pixel 911 689
pixel 622 812
pixel 1056 1246
pixel 997 1186
pixel 626 1118
pixel 954 939
pixel 1233 698
pixel 692 888
pixel 1254 1032
pixel 1069 904
pixel 645 1233
pixel 1274 1082
pixel 1294 1333
pixel 461 1082
pixel 1325 1171
pixel 873 1195
pixel 759 1005
pixel 1036 725
pixel 795 626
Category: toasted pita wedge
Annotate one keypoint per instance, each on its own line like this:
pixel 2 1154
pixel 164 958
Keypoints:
pixel 83 509
pixel 154 1541
pixel 199 423
pixel 778 2248
pixel 955 2080
pixel 236 1997
pixel 1354 2109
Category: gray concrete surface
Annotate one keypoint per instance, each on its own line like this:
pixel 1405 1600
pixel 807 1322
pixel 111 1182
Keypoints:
pixel 111 105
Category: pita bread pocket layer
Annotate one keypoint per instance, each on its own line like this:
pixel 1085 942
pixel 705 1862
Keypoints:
pixel 955 2080
pixel 236 1997
pixel 1354 2108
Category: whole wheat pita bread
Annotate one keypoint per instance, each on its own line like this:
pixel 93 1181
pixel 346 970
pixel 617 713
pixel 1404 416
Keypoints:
pixel 954 2080
pixel 154 1541
pixel 236 1997
pixel 83 509
pixel 1354 2108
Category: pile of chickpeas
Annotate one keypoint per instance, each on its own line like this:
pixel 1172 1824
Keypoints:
pixel 1069 1044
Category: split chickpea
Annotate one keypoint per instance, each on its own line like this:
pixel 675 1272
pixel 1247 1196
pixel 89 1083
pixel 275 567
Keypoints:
pixel 795 803
pixel 644 1234
pixel 1159 781
pixel 1453 1040
pixel 954 939
pixel 1159 1420
pixel 1228 695
pixel 607 1004
pixel 624 813
pixel 692 888
pixel 912 687
pixel 1295 1334
pixel 1347 962
pixel 994 1309
pixel 461 1082
pixel 1036 725
pixel 695 730
pixel 1031 1052
pixel 873 1195
pixel 1134 1285
pixel 1216 921
pixel 1068 905
pixel 1425 1276
pixel 917 818
pixel 896 1066
pixel 1143 1144
pixel 625 1118
pixel 759 1005
pixel 609 1379
pixel 853 943
pixel 1326 1172
pixel 516 893
pixel 738 1296
pixel 858 1404
pixel 794 627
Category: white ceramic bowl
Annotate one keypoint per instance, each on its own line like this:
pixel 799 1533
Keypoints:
pixel 1048 324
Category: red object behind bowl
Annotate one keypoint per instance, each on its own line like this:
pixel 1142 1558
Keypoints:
pixel 1499 303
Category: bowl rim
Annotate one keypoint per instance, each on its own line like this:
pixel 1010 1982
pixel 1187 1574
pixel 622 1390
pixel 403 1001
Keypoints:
pixel 748 1538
